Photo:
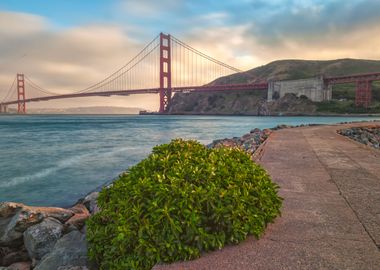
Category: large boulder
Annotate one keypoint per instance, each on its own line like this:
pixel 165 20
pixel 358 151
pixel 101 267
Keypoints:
pixel 13 256
pixel 90 201
pixel 19 266
pixel 81 214
pixel 8 209
pixel 70 252
pixel 60 214
pixel 15 218
pixel 70 267
pixel 39 239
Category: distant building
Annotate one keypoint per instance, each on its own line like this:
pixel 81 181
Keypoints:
pixel 313 88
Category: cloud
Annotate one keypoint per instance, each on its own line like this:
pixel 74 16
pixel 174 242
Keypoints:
pixel 244 34
pixel 300 19
pixel 64 60
pixel 256 32
pixel 16 24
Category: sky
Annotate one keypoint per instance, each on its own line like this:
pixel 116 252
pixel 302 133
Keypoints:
pixel 65 45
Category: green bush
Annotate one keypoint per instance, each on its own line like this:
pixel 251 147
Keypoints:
pixel 182 200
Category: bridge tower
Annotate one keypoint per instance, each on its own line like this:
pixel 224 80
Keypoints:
pixel 363 93
pixel 165 73
pixel 21 108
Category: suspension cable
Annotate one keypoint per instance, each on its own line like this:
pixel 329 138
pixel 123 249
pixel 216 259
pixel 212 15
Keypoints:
pixel 9 91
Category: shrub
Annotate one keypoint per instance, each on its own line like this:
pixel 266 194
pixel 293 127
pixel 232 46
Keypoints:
pixel 181 200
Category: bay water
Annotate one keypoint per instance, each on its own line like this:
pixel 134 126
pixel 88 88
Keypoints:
pixel 54 160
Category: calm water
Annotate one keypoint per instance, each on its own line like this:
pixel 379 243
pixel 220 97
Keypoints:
pixel 54 160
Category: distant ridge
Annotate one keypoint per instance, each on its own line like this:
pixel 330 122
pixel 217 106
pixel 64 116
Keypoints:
pixel 299 69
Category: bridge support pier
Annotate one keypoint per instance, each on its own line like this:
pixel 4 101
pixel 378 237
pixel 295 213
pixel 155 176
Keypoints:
pixel 21 108
pixel 3 108
pixel 363 95
pixel 165 73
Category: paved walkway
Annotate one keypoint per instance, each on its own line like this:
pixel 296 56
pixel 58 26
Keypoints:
pixel 331 213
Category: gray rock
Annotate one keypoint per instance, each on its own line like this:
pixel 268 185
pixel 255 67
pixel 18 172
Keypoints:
pixel 20 266
pixel 79 218
pixel 39 239
pixel 365 135
pixel 15 218
pixel 90 201
pixel 70 267
pixel 69 251
pixel 15 256
pixel 12 227
pixel 9 209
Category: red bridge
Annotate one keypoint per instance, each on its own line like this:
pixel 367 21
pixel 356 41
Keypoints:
pixel 363 93
pixel 165 66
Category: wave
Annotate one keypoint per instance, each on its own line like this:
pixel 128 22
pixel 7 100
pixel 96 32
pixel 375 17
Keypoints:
pixel 61 164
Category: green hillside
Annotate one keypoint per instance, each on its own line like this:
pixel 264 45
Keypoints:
pixel 249 103
pixel 301 69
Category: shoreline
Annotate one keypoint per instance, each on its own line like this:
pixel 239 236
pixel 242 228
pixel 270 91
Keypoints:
pixel 283 115
pixel 40 224
pixel 202 114
pixel 255 155
pixel 219 130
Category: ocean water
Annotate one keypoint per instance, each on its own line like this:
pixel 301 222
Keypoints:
pixel 56 159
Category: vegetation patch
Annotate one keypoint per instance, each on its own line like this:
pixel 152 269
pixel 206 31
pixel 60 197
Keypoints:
pixel 182 200
pixel 343 100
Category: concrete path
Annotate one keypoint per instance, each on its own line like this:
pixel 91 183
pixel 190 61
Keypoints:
pixel 331 213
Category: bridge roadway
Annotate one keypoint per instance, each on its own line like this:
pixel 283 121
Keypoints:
pixel 363 95
pixel 330 217
pixel 204 88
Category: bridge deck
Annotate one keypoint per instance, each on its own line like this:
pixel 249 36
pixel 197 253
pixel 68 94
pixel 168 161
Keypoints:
pixel 203 88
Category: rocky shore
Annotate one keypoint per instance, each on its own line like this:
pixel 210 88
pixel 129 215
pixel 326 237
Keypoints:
pixel 45 238
pixel 366 135
pixel 249 142
pixel 55 238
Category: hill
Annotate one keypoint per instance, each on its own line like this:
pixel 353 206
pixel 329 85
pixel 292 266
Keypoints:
pixel 252 102
pixel 301 69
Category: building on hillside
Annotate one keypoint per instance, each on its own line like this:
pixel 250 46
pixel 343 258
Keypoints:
pixel 313 88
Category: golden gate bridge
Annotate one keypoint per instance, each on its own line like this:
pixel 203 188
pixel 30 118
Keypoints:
pixel 165 66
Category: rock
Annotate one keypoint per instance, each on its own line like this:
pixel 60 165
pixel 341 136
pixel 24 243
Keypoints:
pixel 8 209
pixel 366 135
pixel 69 251
pixel 4 251
pixel 90 201
pixel 39 239
pixel 248 142
pixel 67 228
pixel 245 137
pixel 79 218
pixel 15 256
pixel 70 267
pixel 60 214
pixel 12 227
pixel 20 266
pixel 15 218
